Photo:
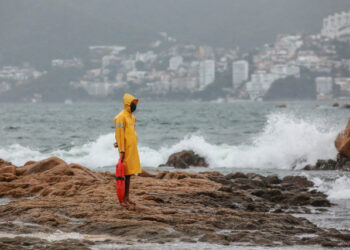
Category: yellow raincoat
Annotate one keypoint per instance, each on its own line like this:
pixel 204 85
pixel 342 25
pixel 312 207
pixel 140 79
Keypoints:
pixel 126 136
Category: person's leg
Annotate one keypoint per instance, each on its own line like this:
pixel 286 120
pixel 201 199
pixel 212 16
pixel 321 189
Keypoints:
pixel 125 201
pixel 127 189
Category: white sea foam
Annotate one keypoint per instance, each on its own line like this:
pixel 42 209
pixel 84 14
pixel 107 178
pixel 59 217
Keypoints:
pixel 58 236
pixel 338 189
pixel 285 142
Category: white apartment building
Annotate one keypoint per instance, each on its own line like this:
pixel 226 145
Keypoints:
pixel 67 63
pixel 284 70
pixel 289 43
pixel 259 84
pixel 94 88
pixel 109 60
pixel 100 51
pixel 254 89
pixel 129 64
pixel 206 73
pixel 344 85
pixel 337 25
pixel 240 72
pixel 4 86
pixel 175 62
pixel 324 87
pixel 148 56
pixel 12 73
pixel 133 76
pixel 184 84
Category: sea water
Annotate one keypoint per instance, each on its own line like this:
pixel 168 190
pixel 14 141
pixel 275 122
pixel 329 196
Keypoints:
pixel 240 136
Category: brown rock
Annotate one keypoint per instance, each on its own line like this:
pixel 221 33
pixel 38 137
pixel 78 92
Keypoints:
pixel 44 165
pixel 147 174
pixel 4 163
pixel 8 170
pixel 206 206
pixel 335 104
pixel 185 159
pixel 342 142
pixel 29 163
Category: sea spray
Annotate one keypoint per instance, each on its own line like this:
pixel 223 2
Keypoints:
pixel 336 189
pixel 285 142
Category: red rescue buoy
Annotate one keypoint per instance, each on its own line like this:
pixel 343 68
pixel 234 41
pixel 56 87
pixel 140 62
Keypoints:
pixel 120 180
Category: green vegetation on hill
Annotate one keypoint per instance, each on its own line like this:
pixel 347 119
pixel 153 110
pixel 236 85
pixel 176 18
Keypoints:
pixel 291 88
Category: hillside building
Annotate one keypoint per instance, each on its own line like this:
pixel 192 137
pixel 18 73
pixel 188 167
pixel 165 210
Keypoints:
pixel 206 73
pixel 240 72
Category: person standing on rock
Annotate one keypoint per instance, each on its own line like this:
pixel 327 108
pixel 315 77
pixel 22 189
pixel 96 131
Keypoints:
pixel 126 142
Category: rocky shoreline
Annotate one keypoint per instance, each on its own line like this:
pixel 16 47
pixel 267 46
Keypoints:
pixel 52 197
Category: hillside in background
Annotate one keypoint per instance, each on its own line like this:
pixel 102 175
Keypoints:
pixel 37 31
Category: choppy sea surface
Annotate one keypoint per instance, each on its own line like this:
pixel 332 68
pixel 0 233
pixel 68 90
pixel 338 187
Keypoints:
pixel 241 136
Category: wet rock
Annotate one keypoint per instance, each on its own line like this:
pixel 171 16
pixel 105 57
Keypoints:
pixel 335 104
pixel 226 189
pixel 236 175
pixel 206 206
pixel 300 181
pixel 215 238
pixel 258 192
pixel 321 203
pixel 272 179
pixel 281 106
pixel 273 195
pixel 346 106
pixel 326 165
pixel 147 174
pixel 254 176
pixel 185 159
pixel 301 199
pixel 342 163
pixel 323 165
pixel 219 178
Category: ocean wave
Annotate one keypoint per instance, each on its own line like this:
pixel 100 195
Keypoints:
pixel 338 189
pixel 286 142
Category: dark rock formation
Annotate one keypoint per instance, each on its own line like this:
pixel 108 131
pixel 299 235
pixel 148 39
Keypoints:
pixel 252 209
pixel 281 106
pixel 342 143
pixel 335 104
pixel 342 163
pixel 185 159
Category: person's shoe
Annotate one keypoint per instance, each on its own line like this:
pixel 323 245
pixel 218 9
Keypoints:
pixel 131 202
pixel 125 204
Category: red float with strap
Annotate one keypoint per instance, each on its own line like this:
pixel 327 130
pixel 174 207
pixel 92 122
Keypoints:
pixel 120 180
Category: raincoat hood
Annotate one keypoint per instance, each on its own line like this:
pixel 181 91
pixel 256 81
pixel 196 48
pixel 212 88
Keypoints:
pixel 127 99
